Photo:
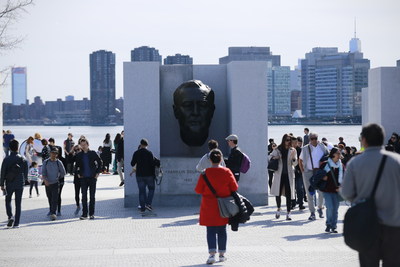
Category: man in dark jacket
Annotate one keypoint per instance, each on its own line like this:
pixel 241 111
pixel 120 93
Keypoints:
pixel 235 157
pixel 14 173
pixel 145 167
pixel 88 168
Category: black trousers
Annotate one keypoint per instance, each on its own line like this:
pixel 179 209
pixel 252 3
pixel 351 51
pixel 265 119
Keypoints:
pixel 52 197
pixel 286 187
pixel 60 187
pixel 88 183
pixel 385 248
pixel 33 184
pixel 77 186
pixel 18 199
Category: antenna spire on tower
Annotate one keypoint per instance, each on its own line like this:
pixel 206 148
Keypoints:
pixel 355 28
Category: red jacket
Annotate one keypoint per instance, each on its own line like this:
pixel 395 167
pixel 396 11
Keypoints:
pixel 224 183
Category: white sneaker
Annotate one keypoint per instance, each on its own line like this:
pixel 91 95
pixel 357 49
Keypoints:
pixel 222 258
pixel 278 214
pixel 211 259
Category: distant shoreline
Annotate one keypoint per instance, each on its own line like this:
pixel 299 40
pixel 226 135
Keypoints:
pixel 269 124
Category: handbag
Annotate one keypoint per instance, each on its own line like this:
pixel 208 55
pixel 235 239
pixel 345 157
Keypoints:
pixel 361 225
pixel 227 205
pixel 273 164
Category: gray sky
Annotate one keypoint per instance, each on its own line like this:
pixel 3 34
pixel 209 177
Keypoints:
pixel 60 35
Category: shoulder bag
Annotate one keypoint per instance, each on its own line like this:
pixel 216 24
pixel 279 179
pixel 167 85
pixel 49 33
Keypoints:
pixel 227 205
pixel 361 225
pixel 273 164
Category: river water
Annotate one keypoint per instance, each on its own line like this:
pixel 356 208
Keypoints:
pixel 96 135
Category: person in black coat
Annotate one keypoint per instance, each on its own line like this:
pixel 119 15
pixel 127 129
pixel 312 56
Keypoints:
pixel 235 157
pixel 14 174
pixel 88 167
pixel 145 175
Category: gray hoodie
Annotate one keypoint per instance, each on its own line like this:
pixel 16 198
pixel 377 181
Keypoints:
pixel 52 171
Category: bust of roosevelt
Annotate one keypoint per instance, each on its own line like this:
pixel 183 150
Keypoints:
pixel 194 108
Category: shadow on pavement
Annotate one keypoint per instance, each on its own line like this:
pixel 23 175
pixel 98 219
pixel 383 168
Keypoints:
pixel 316 236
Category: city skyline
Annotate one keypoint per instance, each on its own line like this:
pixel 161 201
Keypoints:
pixel 56 47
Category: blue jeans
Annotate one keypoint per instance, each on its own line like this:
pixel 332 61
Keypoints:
pixel 212 233
pixel 144 197
pixel 18 199
pixel 85 184
pixel 332 206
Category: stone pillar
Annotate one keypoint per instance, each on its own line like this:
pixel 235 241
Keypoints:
pixel 380 99
pixel 141 116
pixel 247 98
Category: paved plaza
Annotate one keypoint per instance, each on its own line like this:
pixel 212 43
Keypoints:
pixel 122 237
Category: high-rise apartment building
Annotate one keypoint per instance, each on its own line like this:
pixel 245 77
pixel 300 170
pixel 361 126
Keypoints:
pixel 145 53
pixel 19 86
pixel 178 59
pixel 279 92
pixel 331 83
pixel 251 53
pixel 102 87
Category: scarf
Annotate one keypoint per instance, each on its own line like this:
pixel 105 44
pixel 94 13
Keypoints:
pixel 332 164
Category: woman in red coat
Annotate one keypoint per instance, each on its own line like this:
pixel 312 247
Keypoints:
pixel 224 183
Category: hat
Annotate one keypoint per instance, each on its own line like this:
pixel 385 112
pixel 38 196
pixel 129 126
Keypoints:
pixel 324 139
pixel 54 150
pixel 232 137
pixel 144 142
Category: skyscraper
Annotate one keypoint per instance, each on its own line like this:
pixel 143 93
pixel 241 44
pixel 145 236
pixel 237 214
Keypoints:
pixel 178 59
pixel 331 83
pixel 19 86
pixel 145 53
pixel 102 87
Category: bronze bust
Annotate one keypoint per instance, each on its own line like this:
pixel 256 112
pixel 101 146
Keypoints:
pixel 194 108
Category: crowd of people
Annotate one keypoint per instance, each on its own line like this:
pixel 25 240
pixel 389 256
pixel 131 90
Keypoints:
pixel 39 161
pixel 299 159
pixel 347 174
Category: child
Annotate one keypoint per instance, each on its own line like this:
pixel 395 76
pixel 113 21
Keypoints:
pixel 33 178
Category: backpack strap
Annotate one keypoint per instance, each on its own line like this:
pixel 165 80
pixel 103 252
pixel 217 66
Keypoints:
pixel 209 184
pixel 312 163
pixel 378 175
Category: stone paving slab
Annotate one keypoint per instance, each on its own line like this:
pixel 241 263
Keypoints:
pixel 122 237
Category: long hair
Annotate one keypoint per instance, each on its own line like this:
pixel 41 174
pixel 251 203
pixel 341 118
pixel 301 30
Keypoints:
pixel 117 138
pixel 29 140
pixel 282 145
pixel 107 139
